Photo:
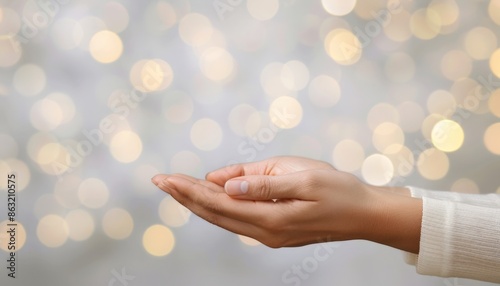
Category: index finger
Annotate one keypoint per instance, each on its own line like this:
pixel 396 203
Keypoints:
pixel 201 199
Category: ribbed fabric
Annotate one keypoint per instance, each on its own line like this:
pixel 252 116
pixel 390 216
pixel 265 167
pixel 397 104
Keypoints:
pixel 487 200
pixel 460 235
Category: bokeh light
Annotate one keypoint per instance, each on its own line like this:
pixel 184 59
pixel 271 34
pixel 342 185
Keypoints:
pixel 348 155
pixel 5 236
pixel 106 47
pixel 425 24
pixel 494 103
pixel 324 91
pixel 377 170
pixel 151 75
pixel 398 93
pixel 158 240
pixel 80 225
pixel 447 135
pixel 403 161
pixel 263 10
pixel 447 11
pixel 90 25
pixel 248 240
pixel 492 138
pixel 160 16
pixel 465 186
pixel 494 11
pixel 126 146
pixel 173 213
pixel 343 46
pixel 388 138
pixel 338 8
pixel 46 115
pixel 216 64
pixel 429 123
pixel 285 112
pixel 441 102
pixel 29 80
pixel 52 231
pixel 398 28
pixel 480 42
pixel 456 64
pixel 93 193
pixel 53 158
pixel 195 29
pixel 116 16
pixel 295 75
pixel 117 223
pixel 206 134
pixel 495 63
pixel 366 10
pixel 433 164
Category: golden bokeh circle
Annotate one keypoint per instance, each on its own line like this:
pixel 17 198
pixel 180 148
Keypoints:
pixel 343 47
pixel 492 138
pixel 433 164
pixel 495 63
pixel 447 135
pixel 158 240
pixel 117 223
pixel 106 46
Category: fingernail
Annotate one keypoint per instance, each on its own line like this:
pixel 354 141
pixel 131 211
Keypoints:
pixel 236 187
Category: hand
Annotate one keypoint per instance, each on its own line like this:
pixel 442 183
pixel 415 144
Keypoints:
pixel 290 201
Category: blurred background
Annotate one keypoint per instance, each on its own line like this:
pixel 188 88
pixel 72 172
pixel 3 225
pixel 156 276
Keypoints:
pixel 96 97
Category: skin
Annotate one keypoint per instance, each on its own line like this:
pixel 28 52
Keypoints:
pixel 293 201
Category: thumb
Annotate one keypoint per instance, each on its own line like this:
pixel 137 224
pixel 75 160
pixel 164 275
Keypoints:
pixel 263 187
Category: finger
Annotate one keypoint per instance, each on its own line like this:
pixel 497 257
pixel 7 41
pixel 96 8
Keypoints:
pixel 226 223
pixel 161 179
pixel 195 195
pixel 222 175
pixel 212 186
pixel 266 188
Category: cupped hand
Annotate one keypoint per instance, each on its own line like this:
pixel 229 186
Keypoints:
pixel 289 201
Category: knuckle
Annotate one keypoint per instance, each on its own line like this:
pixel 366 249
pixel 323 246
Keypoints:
pixel 309 179
pixel 264 190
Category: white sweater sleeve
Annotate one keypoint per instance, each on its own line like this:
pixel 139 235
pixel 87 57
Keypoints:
pixel 460 236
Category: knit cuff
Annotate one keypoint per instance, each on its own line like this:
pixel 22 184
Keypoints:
pixel 459 240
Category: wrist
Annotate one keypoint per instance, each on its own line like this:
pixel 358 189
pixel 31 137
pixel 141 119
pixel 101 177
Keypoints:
pixel 395 218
